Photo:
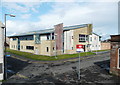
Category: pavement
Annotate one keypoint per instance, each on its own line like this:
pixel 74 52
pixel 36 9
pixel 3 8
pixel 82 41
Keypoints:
pixel 93 69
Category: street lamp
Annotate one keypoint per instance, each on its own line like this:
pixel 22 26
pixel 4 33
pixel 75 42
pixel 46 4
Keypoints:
pixel 5 62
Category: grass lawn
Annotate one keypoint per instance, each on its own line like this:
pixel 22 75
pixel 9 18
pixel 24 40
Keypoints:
pixel 101 50
pixel 47 58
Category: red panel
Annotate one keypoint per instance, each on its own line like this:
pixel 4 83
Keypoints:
pixel 79 46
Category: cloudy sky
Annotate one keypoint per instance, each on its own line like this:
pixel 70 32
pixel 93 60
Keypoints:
pixel 39 14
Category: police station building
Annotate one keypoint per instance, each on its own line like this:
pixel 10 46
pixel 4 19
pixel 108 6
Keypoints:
pixel 59 39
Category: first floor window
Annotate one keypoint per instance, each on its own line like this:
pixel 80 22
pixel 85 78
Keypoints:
pixel 30 47
pixel 83 38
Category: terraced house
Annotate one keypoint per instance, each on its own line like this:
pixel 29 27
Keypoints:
pixel 58 40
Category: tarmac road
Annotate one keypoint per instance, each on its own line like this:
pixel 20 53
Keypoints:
pixel 33 72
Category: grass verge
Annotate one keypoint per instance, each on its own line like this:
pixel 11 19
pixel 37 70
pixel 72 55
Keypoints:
pixel 47 58
pixel 101 50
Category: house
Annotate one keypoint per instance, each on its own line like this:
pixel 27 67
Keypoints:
pixel 115 55
pixel 57 40
pixel 1 51
pixel 94 42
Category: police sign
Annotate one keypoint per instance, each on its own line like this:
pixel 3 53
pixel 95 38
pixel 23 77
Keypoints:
pixel 79 48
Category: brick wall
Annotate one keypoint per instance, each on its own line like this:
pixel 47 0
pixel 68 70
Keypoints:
pixel 105 45
pixel 115 44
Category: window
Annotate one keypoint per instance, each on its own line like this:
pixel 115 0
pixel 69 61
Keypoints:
pixel 81 38
pixel 47 49
pixel 37 39
pixel 53 48
pixel 95 38
pixel 72 48
pixel 30 37
pixel 72 37
pixel 118 57
pixel 52 36
pixel 90 38
pixel 21 47
pixel 30 47
pixel 99 38
pixel 48 37
pixel 14 39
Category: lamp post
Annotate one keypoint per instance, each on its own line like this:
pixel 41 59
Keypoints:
pixel 5 62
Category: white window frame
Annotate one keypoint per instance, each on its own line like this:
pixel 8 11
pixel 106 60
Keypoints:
pixel 82 39
pixel 118 66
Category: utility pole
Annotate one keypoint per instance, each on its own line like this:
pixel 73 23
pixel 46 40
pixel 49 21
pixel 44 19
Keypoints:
pixel 5 61
pixel 79 68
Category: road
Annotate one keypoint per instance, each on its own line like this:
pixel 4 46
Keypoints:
pixel 34 72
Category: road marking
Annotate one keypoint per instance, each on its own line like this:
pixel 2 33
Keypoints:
pixel 21 76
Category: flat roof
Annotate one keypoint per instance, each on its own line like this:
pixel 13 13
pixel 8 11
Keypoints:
pixel 49 30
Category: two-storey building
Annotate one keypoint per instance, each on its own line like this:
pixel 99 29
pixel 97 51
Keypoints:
pixel 58 40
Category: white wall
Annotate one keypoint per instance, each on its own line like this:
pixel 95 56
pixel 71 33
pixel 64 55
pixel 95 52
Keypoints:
pixel 68 41
pixel 43 37
pixel 95 43
pixel 1 48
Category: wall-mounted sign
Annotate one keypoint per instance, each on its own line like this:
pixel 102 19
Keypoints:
pixel 80 48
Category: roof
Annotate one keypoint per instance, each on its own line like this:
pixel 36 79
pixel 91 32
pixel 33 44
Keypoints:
pixel 96 34
pixel 49 30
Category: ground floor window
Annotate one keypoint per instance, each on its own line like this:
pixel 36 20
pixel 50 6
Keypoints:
pixel 21 47
pixel 30 47
pixel 47 49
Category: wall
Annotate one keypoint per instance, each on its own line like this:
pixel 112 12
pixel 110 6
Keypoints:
pixel 1 50
pixel 76 32
pixel 94 41
pixel 115 44
pixel 68 41
pixel 25 43
pixel 13 44
pixel 47 43
pixel 105 45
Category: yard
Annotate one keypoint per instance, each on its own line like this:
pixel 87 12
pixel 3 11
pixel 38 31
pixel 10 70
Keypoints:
pixel 47 58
